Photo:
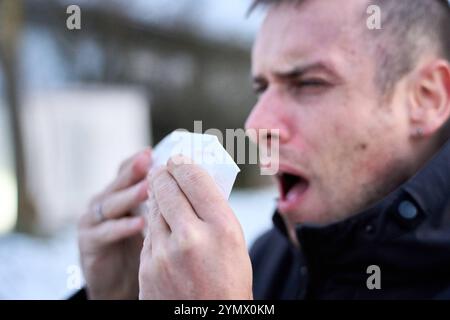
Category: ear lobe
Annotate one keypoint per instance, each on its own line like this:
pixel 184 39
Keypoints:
pixel 430 99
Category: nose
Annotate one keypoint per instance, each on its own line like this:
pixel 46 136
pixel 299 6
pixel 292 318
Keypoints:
pixel 268 119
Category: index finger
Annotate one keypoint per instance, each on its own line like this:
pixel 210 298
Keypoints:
pixel 172 202
pixel 200 188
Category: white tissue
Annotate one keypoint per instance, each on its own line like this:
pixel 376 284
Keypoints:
pixel 205 150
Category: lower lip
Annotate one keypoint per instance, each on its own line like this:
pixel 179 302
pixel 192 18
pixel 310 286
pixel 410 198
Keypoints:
pixel 293 200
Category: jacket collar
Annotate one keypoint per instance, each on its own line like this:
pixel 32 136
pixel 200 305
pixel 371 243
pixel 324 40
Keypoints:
pixel 430 187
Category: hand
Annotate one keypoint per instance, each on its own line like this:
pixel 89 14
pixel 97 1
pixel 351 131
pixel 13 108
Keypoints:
pixel 110 238
pixel 195 248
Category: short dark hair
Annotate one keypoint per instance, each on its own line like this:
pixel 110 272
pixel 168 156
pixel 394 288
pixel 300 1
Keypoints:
pixel 408 28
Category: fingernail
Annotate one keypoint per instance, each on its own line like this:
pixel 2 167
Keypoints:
pixel 178 160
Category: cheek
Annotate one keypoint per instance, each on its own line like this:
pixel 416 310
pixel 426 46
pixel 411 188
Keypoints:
pixel 333 141
pixel 361 168
pixel 366 162
pixel 313 132
pixel 344 152
pixel 378 161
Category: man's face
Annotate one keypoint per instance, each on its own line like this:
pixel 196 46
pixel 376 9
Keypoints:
pixel 341 147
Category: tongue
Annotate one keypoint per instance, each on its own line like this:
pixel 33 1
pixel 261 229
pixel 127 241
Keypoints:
pixel 297 190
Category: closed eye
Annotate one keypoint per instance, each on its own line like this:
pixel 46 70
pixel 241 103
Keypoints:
pixel 259 88
pixel 312 86
pixel 310 83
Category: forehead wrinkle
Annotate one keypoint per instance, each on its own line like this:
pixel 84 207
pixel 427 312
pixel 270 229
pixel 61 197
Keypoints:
pixel 300 35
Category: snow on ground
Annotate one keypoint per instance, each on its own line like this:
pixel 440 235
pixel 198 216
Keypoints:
pixel 34 268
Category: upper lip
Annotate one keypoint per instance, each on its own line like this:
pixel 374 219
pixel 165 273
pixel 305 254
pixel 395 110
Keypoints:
pixel 285 168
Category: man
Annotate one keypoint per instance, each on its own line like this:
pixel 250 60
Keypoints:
pixel 363 119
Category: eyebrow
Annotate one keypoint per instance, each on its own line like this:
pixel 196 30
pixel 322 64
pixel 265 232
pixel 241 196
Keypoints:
pixel 298 71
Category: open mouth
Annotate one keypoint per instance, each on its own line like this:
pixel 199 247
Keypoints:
pixel 291 186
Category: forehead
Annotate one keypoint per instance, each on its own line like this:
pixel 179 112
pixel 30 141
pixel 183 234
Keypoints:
pixel 326 30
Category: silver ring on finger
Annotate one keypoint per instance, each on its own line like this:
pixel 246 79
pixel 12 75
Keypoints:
pixel 100 217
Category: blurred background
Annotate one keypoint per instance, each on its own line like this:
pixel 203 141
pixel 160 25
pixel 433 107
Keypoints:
pixel 75 103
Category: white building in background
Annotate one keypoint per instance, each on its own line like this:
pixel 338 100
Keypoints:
pixel 75 140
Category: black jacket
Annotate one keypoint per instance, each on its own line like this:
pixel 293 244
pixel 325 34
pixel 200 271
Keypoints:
pixel 407 235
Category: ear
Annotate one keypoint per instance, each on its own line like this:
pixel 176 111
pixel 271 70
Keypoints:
pixel 429 106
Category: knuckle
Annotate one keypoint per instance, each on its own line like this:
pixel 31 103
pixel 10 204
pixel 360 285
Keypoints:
pixel 186 234
pixel 138 167
pixel 230 235
pixel 138 193
pixel 192 176
pixel 188 242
